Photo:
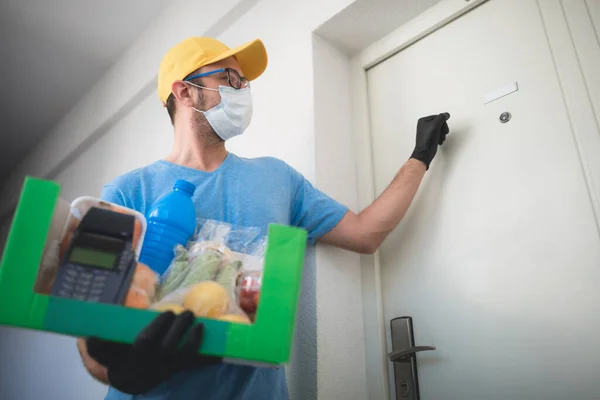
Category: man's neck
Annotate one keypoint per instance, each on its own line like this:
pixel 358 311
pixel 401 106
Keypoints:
pixel 194 151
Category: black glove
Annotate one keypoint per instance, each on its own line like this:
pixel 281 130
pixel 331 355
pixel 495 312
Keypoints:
pixel 154 356
pixel 431 132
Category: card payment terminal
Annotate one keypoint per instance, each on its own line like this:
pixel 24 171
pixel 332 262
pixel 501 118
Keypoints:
pixel 99 263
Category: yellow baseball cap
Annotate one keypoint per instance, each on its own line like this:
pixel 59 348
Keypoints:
pixel 196 52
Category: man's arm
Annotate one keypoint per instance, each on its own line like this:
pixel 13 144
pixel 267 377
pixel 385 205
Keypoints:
pixel 94 368
pixel 364 232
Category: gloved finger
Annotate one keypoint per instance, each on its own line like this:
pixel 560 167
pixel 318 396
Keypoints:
pixel 194 340
pixel 173 336
pixel 445 129
pixel 443 133
pixel 441 119
pixel 106 352
pixel 132 384
pixel 206 361
pixel 187 355
pixel 429 118
pixel 152 336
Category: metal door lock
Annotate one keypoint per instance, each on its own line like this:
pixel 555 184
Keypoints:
pixel 404 390
pixel 505 117
pixel 404 357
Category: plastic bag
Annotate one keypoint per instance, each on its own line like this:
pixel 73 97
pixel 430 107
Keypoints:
pixel 206 299
pixel 66 218
pixel 211 262
pixel 48 268
pixel 248 292
pixel 249 283
pixel 61 222
pixel 144 284
pixel 209 270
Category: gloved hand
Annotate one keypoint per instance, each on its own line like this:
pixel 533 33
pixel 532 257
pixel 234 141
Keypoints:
pixel 154 356
pixel 431 132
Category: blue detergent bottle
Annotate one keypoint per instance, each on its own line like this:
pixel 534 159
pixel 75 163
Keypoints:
pixel 171 221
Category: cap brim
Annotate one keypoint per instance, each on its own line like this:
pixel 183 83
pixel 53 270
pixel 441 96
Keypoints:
pixel 251 56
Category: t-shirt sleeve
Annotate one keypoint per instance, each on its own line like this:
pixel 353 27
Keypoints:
pixel 312 209
pixel 112 194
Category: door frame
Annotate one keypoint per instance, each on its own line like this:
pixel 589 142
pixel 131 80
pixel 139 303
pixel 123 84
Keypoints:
pixel 584 122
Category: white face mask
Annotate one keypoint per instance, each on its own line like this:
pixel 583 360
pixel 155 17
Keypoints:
pixel 232 115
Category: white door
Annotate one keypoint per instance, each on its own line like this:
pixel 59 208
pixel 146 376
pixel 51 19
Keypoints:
pixel 498 258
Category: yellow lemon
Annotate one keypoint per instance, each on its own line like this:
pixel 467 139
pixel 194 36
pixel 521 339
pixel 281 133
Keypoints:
pixel 206 299
pixel 239 318
pixel 176 308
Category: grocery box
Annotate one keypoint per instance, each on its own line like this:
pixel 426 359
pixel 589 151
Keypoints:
pixel 40 228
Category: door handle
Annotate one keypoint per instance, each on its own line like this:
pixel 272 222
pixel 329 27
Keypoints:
pixel 403 355
pixel 404 359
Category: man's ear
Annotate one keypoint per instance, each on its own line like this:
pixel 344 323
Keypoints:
pixel 182 93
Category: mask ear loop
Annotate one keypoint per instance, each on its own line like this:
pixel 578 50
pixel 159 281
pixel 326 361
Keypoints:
pixel 201 87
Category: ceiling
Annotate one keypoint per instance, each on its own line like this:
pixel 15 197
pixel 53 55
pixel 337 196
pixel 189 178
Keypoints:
pixel 52 52
pixel 351 32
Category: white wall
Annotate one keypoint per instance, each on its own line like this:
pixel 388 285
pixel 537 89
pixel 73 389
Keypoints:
pixel 341 339
pixel 119 125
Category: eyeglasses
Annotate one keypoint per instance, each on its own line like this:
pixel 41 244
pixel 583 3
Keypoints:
pixel 235 80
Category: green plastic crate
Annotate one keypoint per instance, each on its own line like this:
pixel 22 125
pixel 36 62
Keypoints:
pixel 267 341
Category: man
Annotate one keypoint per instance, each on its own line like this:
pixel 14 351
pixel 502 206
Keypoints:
pixel 205 87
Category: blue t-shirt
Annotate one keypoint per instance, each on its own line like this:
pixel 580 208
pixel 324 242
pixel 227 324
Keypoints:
pixel 245 193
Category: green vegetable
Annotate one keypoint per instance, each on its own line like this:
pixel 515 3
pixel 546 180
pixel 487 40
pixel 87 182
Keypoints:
pixel 181 253
pixel 176 272
pixel 203 268
pixel 228 274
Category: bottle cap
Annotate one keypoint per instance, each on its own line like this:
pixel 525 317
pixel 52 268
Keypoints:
pixel 185 186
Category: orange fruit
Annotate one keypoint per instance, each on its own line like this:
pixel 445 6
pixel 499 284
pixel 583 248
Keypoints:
pixel 137 298
pixel 144 278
